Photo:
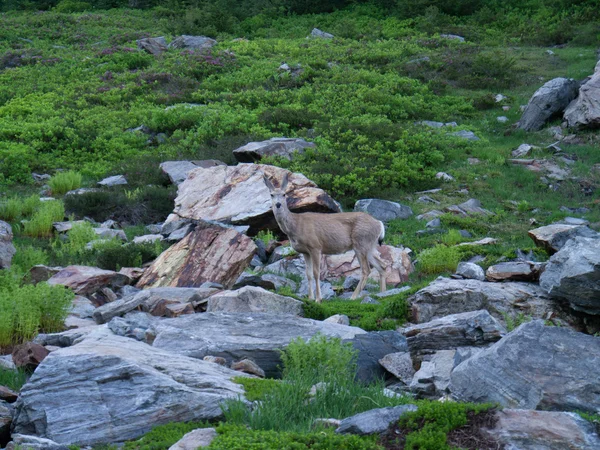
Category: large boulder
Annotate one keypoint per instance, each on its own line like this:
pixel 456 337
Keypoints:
pixel 109 388
pixel 552 98
pixel 177 171
pixel 475 328
pixel 7 249
pixel 573 274
pixel 193 42
pixel 152 300
pixel 548 430
pixel 446 296
pixel 209 253
pixel 252 299
pixel 554 237
pixel 283 147
pixel 584 111
pixel 84 280
pixel 238 195
pixel 383 210
pixel 371 347
pixel 257 336
pixel 6 412
pixel 154 46
pixel 534 367
pixel 433 377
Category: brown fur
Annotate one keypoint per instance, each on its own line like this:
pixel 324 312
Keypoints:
pixel 316 234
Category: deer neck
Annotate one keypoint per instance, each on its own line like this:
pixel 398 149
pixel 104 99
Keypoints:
pixel 285 219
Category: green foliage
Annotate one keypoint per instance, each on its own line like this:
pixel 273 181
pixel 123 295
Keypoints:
pixel 236 437
pixel 63 182
pixel 15 208
pixel 27 310
pixel 113 255
pixel 439 259
pixel 26 257
pixel 429 425
pixel 513 322
pixel 40 224
pixel 72 250
pixel 266 236
pixel 163 436
pixel 453 237
pixel 256 388
pixel 287 405
pixel 13 379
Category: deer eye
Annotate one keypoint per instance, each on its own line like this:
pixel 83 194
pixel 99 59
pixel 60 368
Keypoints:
pixel 272 196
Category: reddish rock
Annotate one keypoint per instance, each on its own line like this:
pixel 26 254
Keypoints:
pixel 135 273
pixel 8 395
pixel 553 237
pixel 84 280
pixel 29 355
pixel 209 253
pixel 248 366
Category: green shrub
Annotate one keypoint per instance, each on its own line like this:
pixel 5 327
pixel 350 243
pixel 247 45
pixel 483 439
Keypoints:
pixel 439 259
pixel 63 182
pixel 72 6
pixel 27 257
pixel 15 208
pixel 27 310
pixel 13 379
pixel 513 322
pixel 452 237
pixel 113 255
pixel 40 224
pixel 72 250
pixel 266 236
pixel 163 436
pixel 256 388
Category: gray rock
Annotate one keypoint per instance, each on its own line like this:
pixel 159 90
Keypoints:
pixel 136 325
pixel 369 301
pixel 327 291
pixel 573 274
pixel 475 328
pixel 574 221
pixel 267 281
pixel 7 363
pixel 239 336
pixel 340 319
pixel 177 171
pixel 444 176
pixel 391 292
pixel 383 210
pixel 282 147
pixel 153 301
pixel 21 441
pixel 502 119
pixel 464 353
pixel 373 421
pixel 435 223
pixel 40 273
pixel 400 365
pixel 62 227
pixel 202 437
pixel 470 207
pixel 82 307
pixel 87 280
pixel 109 388
pixel 433 378
pixel 108 233
pixel 446 296
pixel 147 239
pixel 154 46
pixel 7 249
pixel 584 111
pixel 281 252
pixel 534 367
pixel 514 271
pixel 433 124
pixel 115 180
pixel 374 346
pixel 6 413
pixel 193 42
pixel 180 233
pixel 453 37
pixel 468 135
pixel 552 98
pixel 471 271
pixel 429 215
pixel 554 237
pixel 522 150
pixel 40 178
pixel 316 33
pixel 154 228
pixel 64 338
pixel 350 283
pixel 252 299
pixel 519 429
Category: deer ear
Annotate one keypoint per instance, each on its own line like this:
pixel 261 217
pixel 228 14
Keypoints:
pixel 268 182
pixel 284 182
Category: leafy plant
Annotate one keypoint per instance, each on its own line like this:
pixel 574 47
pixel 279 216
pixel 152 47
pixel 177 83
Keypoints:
pixel 513 322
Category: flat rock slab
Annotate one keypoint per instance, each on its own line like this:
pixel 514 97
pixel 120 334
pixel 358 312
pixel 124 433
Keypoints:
pixel 252 299
pixel 283 147
pixel 400 365
pixel 468 208
pixel 256 336
pixel 554 237
pixel 372 347
pixel 193 42
pixel 84 280
pixel 177 171
pixel 534 367
pixel 373 421
pixel 202 437
pixel 573 274
pixel 549 430
pixel 238 195
pixel 152 300
pixel 446 296
pixel 109 388
pixel 514 271
pixel 475 328
pixel 383 210
pixel 209 253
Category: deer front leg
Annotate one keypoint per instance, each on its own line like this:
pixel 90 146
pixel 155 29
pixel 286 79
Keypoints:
pixel 365 269
pixel 309 271
pixel 316 266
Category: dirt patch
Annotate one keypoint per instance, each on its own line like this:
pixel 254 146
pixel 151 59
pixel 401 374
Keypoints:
pixel 468 437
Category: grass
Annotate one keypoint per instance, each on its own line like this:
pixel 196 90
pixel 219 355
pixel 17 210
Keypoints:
pixel 40 224
pixel 63 182
pixel 15 208
pixel 13 379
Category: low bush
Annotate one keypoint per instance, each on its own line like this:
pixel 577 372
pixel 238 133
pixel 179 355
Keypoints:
pixel 113 255
pixel 40 224
pixel 15 208
pixel 26 257
pixel 439 259
pixel 163 436
pixel 63 182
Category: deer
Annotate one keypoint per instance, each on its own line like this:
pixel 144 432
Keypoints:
pixel 316 234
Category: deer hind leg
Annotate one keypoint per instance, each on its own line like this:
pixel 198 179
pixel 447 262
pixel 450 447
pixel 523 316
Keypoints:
pixel 309 274
pixel 380 265
pixel 366 270
pixel 316 266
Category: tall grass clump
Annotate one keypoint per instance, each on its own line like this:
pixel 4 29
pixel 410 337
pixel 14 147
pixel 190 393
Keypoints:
pixel 63 182
pixel 26 310
pixel 328 367
pixel 40 224
pixel 15 208
pixel 439 259
pixel 72 250
pixel 12 379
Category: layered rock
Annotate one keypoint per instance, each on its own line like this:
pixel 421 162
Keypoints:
pixel 253 299
pixel 373 421
pixel 534 367
pixel 573 274
pixel 514 271
pixel 383 210
pixel 554 237
pixel 7 249
pixel 84 280
pixel 282 147
pixel 154 46
pixel 552 98
pixel 193 42
pixel 110 389
pixel 238 195
pixel 209 253
pixel 584 111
